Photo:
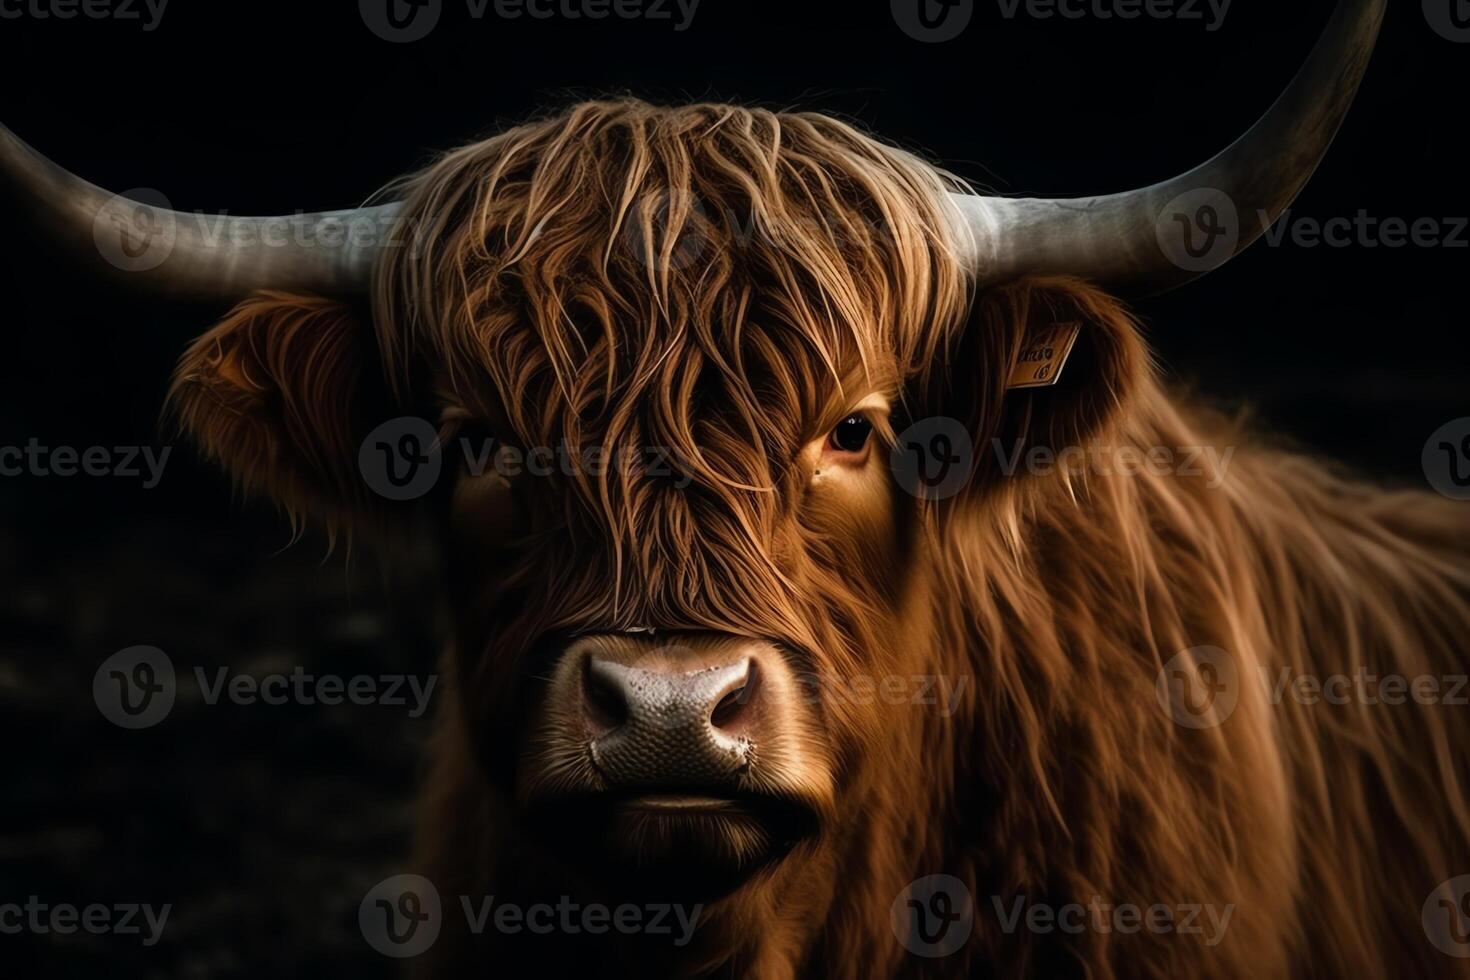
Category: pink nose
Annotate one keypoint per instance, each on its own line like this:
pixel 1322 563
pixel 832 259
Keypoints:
pixel 667 722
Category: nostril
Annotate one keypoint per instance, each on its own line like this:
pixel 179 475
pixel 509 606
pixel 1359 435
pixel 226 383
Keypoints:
pixel 603 698
pixel 733 709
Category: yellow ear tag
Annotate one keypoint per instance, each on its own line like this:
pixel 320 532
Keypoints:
pixel 1041 361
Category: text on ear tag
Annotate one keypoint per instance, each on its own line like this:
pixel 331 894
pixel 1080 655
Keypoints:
pixel 1042 359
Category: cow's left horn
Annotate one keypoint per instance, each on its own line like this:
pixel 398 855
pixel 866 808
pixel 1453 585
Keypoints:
pixel 208 256
pixel 1127 241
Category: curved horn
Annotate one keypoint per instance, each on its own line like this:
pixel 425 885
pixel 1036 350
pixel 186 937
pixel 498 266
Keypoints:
pixel 195 254
pixel 1134 242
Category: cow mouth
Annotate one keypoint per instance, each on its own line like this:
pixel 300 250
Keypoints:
pixel 676 843
pixel 669 803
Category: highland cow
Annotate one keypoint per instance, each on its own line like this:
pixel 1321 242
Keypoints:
pixel 657 675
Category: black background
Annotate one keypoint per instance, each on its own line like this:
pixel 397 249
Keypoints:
pixel 270 108
pixel 263 825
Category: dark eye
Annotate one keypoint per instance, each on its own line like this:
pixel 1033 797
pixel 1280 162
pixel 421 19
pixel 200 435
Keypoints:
pixel 852 434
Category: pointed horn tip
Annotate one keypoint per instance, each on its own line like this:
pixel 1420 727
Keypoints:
pixel 1153 239
pixel 144 243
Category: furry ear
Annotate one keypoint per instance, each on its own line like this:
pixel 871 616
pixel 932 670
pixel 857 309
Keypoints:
pixel 281 394
pixel 1107 364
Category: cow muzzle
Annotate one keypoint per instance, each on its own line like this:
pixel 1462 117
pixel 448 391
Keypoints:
pixel 666 726
pixel 691 757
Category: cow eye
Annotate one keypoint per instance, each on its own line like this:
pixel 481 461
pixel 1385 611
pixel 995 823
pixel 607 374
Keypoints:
pixel 851 435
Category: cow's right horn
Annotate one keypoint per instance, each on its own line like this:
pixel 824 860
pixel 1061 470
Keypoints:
pixel 207 256
pixel 1125 241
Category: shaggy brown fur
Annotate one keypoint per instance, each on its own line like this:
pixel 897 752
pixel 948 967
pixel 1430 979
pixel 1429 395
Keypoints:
pixel 726 283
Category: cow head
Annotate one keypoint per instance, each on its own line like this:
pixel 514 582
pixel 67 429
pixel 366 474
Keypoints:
pixel 672 641
pixel 711 320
